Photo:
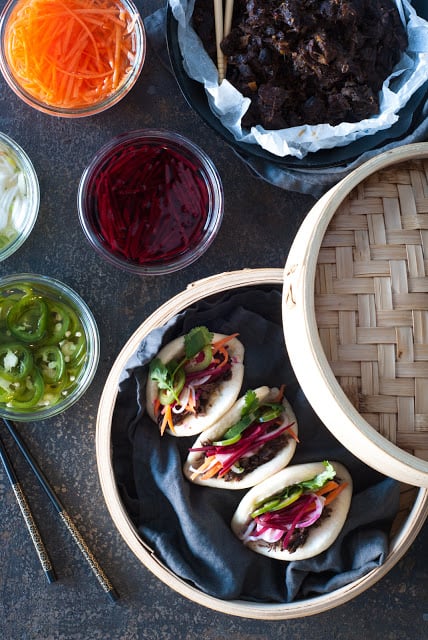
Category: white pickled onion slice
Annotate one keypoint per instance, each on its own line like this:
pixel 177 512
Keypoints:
pixel 183 399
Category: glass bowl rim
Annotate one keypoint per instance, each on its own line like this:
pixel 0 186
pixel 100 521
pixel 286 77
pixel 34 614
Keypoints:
pixel 59 289
pixel 23 161
pixel 93 109
pixel 214 184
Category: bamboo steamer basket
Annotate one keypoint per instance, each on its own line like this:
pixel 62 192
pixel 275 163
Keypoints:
pixel 413 503
pixel 356 301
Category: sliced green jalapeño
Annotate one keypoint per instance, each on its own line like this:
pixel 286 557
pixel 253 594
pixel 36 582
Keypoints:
pixel 279 502
pixel 234 433
pixel 50 362
pixel 27 319
pixel 29 392
pixel 264 413
pixel 16 361
pixel 201 361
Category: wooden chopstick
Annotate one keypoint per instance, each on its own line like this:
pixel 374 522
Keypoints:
pixel 228 14
pixel 219 27
pixel 222 29
pixel 27 515
pixel 71 527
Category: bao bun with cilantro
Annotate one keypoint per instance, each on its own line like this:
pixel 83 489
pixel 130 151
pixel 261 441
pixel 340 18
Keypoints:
pixel 254 439
pixel 194 380
pixel 297 513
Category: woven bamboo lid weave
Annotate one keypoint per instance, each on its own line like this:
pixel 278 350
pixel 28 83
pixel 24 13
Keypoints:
pixel 357 294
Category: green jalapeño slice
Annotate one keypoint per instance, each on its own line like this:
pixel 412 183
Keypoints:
pixel 43 347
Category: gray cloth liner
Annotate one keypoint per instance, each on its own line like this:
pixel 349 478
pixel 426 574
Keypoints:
pixel 188 526
pixel 311 181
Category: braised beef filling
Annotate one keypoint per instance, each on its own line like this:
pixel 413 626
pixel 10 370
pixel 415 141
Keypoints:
pixel 299 536
pixel 307 61
pixel 203 395
pixel 250 463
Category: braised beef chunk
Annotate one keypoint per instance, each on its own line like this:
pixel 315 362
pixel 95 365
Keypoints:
pixel 267 452
pixel 307 61
pixel 298 539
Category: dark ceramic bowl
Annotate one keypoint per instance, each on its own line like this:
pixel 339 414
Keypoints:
pixel 194 93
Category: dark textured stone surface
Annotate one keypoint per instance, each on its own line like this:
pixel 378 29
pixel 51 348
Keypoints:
pixel 259 225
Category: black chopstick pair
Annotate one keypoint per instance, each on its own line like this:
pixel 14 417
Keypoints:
pixel 29 520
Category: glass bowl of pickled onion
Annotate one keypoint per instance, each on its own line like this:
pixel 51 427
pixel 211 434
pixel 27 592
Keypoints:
pixel 19 196
pixel 49 347
pixel 150 202
pixel 74 58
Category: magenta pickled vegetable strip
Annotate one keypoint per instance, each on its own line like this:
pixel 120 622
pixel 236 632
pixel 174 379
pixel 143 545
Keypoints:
pixel 152 203
pixel 213 372
pixel 254 436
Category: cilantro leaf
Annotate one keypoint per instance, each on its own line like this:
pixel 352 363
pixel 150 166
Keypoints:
pixel 252 411
pixel 196 340
pixel 170 379
pixel 251 402
pixel 161 373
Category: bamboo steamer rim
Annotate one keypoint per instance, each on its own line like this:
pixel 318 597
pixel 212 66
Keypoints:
pixel 339 415
pixel 261 611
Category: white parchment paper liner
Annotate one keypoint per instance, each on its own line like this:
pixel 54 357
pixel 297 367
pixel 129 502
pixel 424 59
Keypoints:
pixel 229 105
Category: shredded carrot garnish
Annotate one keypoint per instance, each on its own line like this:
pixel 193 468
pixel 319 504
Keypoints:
pixel 69 53
pixel 223 352
pixel 333 494
pixel 223 341
pixel 292 433
pixel 203 466
pixel 156 406
pixel 191 404
pixel 167 419
pixel 212 472
pixel 280 395
pixel 329 486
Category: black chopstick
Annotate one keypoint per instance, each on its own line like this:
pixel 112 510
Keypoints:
pixel 72 529
pixel 27 515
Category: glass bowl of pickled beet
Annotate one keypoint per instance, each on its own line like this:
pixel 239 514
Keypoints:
pixel 150 202
pixel 49 347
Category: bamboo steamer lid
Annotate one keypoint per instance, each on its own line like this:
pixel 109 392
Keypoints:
pixel 355 312
pixel 413 502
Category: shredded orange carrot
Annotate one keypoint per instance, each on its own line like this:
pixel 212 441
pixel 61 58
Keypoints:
pixel 69 53
pixel 280 395
pixel 333 494
pixel 329 486
pixel 223 352
pixel 156 406
pixel 223 341
pixel 292 433
pixel 191 403
pixel 202 467
pixel 211 472
pixel 167 419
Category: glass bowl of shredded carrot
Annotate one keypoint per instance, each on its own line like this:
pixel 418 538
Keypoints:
pixel 150 202
pixel 19 196
pixel 71 58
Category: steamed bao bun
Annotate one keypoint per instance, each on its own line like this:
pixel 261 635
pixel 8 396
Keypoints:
pixel 231 417
pixel 321 536
pixel 221 399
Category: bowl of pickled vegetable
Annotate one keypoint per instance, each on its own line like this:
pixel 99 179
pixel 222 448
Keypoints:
pixel 74 58
pixel 19 196
pixel 49 347
pixel 150 202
